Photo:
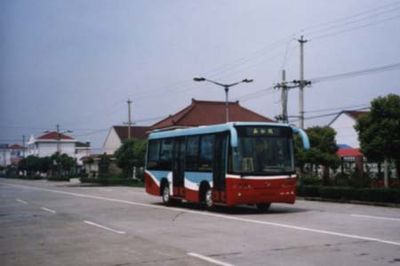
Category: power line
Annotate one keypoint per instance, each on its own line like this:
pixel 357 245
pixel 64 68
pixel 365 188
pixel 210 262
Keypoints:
pixel 94 132
pixel 329 114
pixel 318 37
pixel 355 18
pixel 357 73
pixel 247 96
pixel 242 62
pixel 337 108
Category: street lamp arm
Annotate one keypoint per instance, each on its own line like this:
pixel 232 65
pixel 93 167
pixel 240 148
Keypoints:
pixel 221 84
pixel 226 88
pixel 217 83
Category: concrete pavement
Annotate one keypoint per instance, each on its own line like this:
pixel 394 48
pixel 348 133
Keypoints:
pixel 47 223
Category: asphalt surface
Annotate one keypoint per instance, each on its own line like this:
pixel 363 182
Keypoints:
pixel 52 223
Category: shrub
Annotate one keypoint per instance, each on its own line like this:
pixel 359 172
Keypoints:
pixel 342 180
pixel 58 178
pixel 379 195
pixel 360 180
pixel 308 191
pixel 339 193
pixel 112 181
pixel 31 177
pixel 310 180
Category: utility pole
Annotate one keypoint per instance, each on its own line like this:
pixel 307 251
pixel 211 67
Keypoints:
pixel 302 82
pixel 58 138
pixel 285 87
pixel 129 102
pixel 284 98
pixel 23 146
pixel 296 84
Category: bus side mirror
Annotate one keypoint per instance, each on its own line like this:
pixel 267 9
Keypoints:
pixel 304 137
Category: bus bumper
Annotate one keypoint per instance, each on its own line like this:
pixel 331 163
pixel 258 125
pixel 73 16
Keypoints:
pixel 249 191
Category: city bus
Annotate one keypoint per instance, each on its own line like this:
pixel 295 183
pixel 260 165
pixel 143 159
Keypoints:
pixel 229 164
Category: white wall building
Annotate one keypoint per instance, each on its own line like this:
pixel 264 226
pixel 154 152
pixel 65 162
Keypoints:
pixel 10 154
pixel 344 124
pixel 5 155
pixel 52 142
pixel 117 134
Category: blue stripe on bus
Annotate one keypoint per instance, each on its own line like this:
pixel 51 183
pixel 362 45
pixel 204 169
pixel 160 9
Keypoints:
pixel 159 174
pixel 195 177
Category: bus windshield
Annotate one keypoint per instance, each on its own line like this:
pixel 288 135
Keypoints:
pixel 264 151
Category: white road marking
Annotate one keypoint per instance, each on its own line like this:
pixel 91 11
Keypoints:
pixel 21 201
pixel 209 259
pixel 48 210
pixel 376 217
pixel 105 227
pixel 222 216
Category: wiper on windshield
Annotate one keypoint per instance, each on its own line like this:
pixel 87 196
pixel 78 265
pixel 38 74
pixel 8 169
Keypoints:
pixel 275 168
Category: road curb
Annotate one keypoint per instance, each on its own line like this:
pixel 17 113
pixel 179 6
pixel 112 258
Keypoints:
pixel 379 204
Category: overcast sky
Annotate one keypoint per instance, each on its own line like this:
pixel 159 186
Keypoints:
pixel 75 63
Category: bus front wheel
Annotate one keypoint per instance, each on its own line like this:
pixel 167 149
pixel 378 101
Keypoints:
pixel 263 206
pixel 165 194
pixel 208 198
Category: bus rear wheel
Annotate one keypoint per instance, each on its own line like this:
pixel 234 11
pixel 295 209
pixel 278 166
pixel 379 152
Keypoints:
pixel 262 207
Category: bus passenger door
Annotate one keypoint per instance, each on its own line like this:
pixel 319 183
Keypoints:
pixel 178 167
pixel 219 167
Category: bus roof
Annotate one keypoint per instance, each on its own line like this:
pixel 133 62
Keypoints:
pixel 208 129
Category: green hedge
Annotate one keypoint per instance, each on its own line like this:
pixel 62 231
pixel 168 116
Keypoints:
pixel 27 177
pixel 112 181
pixel 379 195
pixel 58 178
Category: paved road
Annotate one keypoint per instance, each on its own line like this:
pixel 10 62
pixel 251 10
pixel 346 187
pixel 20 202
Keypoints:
pixel 47 223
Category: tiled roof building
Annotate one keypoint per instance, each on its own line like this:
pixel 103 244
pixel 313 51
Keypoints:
pixel 200 113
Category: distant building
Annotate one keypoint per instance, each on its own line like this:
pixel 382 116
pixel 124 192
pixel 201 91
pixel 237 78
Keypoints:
pixel 52 142
pixel 118 134
pixel 344 124
pixel 200 113
pixel 91 165
pixel 347 139
pixel 82 149
pixel 10 154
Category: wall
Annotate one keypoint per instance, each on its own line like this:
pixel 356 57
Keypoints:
pixel 112 142
pixel 5 157
pixel 345 132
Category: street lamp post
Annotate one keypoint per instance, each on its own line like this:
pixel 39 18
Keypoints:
pixel 226 89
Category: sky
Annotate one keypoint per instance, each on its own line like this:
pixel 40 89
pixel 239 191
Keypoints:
pixel 76 63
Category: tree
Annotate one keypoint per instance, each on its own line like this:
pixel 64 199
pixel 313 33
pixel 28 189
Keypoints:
pixel 131 153
pixel 45 164
pixel 322 152
pixel 104 164
pixel 30 164
pixel 379 130
pixel 62 164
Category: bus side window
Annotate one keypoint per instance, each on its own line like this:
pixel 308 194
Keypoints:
pixel 206 153
pixel 154 154
pixel 166 154
pixel 192 150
